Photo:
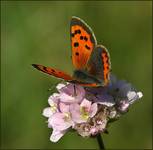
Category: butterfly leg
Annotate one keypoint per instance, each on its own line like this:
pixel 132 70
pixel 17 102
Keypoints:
pixel 95 94
pixel 75 93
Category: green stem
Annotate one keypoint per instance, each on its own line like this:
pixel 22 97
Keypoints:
pixel 100 142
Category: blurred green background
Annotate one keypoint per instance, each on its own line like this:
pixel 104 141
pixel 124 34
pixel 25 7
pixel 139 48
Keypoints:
pixel 38 32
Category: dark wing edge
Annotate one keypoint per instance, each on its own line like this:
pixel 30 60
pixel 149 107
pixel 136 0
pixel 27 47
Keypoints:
pixel 77 21
pixel 53 72
pixel 99 64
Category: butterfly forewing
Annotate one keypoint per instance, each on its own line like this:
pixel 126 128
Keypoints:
pixel 82 42
pixel 54 72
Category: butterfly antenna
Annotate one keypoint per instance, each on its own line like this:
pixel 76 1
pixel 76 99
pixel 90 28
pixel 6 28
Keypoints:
pixel 51 89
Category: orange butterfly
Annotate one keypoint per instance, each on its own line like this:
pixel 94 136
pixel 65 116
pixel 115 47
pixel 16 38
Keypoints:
pixel 91 61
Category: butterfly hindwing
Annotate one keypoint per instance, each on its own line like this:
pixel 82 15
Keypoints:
pixel 83 42
pixel 99 64
pixel 54 72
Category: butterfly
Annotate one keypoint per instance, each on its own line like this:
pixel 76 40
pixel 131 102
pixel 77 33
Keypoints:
pixel 91 61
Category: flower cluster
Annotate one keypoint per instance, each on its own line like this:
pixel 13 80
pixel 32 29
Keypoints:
pixel 88 110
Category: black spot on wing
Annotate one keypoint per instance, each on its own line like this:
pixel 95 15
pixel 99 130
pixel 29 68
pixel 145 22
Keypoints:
pixel 77 54
pixel 87 47
pixel 77 31
pixel 52 70
pixel 85 38
pixel 76 44
pixel 78 21
pixel 45 68
pixel 81 37
pixel 72 34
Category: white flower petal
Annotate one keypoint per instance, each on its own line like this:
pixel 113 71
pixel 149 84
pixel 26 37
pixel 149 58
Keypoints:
pixel 76 114
pixel 75 111
pixel 56 135
pixel 109 104
pixel 49 125
pixel 139 94
pixel 53 99
pixel 87 104
pixel 60 86
pixel 60 121
pixel 47 112
pixel 67 98
pixel 63 107
pixel 93 130
pixel 93 109
pixel 112 114
pixel 131 95
pixel 123 105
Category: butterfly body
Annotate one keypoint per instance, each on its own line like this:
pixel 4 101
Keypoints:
pixel 83 76
pixel 91 61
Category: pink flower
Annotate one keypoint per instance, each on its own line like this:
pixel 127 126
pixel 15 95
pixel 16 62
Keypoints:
pixel 87 110
pixel 71 93
pixel 123 106
pixel 81 113
pixel 62 119
pixel 132 97
pixel 53 102
pixel 93 131
pixel 60 122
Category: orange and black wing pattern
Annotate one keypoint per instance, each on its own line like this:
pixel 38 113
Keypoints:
pixel 83 42
pixel 106 66
pixel 99 64
pixel 53 72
